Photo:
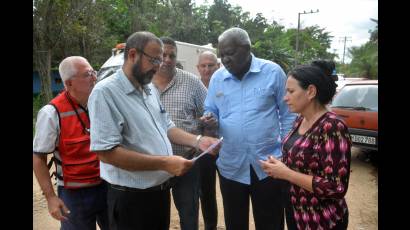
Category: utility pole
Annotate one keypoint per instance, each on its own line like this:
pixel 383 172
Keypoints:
pixel 297 33
pixel 345 39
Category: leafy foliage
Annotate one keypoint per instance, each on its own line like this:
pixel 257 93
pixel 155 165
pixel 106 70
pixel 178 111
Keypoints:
pixel 364 61
pixel 92 28
pixel 37 104
pixel 365 58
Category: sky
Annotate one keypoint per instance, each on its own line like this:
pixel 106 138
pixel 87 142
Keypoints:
pixel 341 18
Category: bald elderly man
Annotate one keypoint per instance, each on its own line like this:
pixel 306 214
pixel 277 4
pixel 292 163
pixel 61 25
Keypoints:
pixel 207 65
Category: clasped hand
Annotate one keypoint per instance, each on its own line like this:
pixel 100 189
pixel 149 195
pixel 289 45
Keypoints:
pixel 210 123
pixel 274 168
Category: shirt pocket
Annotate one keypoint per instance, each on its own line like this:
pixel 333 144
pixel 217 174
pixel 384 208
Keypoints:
pixel 224 106
pixel 260 99
pixel 78 149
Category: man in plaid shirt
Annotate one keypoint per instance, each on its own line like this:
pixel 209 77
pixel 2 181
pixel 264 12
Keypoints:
pixel 183 95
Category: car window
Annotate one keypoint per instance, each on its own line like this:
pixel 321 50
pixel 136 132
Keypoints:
pixel 110 66
pixel 364 96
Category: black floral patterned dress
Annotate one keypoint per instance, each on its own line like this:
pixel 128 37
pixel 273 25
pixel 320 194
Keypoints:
pixel 324 152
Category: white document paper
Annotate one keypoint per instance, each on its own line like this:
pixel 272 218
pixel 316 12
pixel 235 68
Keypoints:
pixel 210 148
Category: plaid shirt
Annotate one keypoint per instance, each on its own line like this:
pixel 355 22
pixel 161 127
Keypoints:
pixel 183 99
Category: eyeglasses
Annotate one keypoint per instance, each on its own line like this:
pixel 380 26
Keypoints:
pixel 90 73
pixel 153 60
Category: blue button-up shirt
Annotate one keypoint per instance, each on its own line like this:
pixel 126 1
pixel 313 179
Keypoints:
pixel 253 118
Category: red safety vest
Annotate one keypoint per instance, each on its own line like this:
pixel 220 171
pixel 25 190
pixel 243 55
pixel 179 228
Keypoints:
pixel 81 168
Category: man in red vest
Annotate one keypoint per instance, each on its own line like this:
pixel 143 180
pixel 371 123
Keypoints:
pixel 62 128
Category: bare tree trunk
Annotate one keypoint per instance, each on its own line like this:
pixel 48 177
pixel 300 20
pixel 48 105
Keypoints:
pixel 44 69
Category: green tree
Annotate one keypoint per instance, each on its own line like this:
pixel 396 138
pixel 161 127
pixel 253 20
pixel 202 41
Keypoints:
pixel 47 32
pixel 313 43
pixel 255 26
pixel 374 35
pixel 274 45
pixel 201 34
pixel 364 61
pixel 365 58
pixel 64 28
pixel 222 16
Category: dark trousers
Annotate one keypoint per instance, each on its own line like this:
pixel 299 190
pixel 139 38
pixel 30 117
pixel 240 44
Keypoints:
pixel 138 210
pixel 185 191
pixel 208 191
pixel 267 203
pixel 87 206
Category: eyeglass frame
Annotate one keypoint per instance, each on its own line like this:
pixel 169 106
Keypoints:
pixel 90 73
pixel 87 74
pixel 152 60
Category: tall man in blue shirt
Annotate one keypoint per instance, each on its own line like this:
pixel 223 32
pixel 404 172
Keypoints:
pixel 246 98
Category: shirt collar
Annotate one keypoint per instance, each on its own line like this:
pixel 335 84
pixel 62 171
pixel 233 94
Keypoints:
pixel 173 80
pixel 125 83
pixel 254 68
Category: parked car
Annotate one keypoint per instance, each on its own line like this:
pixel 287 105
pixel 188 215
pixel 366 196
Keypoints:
pixel 113 63
pixel 357 104
pixel 342 80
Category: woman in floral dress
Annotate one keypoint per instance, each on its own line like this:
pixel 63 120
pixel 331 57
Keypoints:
pixel 316 154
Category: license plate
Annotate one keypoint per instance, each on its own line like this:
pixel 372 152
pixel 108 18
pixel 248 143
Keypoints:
pixel 363 139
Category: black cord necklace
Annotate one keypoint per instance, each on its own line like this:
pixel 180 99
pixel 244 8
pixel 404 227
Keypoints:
pixel 85 129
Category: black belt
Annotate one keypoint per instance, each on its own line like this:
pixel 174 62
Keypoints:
pixel 164 186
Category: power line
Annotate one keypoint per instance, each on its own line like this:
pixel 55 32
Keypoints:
pixel 297 33
pixel 344 40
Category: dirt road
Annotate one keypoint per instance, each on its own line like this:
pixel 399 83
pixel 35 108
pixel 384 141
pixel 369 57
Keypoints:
pixel 361 198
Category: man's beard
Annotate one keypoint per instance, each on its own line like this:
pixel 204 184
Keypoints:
pixel 142 78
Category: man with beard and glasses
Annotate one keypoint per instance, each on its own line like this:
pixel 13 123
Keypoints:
pixel 132 133
pixel 182 94
pixel 246 98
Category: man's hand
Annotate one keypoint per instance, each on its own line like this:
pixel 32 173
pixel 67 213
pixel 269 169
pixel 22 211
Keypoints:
pixel 210 124
pixel 177 165
pixel 205 142
pixel 57 208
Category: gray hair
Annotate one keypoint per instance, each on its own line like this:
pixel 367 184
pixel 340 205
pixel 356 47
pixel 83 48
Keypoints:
pixel 139 40
pixel 67 67
pixel 207 53
pixel 240 35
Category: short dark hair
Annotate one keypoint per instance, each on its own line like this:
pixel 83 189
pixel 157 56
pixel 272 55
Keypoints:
pixel 169 41
pixel 139 40
pixel 312 75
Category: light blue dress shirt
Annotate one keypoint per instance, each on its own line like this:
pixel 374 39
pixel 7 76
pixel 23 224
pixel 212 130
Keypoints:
pixel 253 118
pixel 120 115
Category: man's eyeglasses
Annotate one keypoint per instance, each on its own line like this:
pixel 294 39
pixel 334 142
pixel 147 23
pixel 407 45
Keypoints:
pixel 153 60
pixel 90 73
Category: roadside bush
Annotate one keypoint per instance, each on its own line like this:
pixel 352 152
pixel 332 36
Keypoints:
pixel 37 104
